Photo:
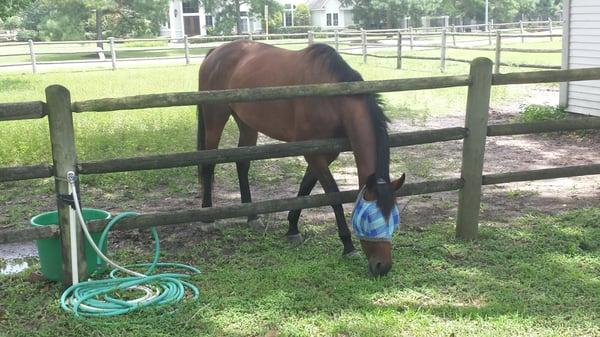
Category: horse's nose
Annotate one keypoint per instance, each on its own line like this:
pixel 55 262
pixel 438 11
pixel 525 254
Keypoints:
pixel 379 268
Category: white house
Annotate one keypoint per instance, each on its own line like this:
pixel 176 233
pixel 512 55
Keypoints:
pixel 188 17
pixel 329 14
pixel 581 49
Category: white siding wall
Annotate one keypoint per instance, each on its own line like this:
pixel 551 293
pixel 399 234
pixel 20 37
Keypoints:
pixel 317 18
pixel 583 51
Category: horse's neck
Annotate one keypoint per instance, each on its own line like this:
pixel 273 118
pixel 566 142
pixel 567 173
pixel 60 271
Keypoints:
pixel 359 130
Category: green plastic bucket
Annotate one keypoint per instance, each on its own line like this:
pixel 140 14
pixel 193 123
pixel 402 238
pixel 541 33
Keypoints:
pixel 49 250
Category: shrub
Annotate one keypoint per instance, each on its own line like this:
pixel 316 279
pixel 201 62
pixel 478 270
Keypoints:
pixel 537 113
pixel 297 29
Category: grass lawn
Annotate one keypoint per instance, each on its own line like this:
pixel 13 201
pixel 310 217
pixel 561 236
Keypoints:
pixel 537 278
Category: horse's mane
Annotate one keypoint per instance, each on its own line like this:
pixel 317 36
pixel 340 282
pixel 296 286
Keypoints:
pixel 337 66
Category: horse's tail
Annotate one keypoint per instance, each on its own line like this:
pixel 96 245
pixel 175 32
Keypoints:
pixel 201 138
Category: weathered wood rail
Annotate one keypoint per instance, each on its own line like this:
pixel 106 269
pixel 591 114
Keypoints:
pixel 469 184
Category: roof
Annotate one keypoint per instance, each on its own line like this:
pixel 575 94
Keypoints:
pixel 315 4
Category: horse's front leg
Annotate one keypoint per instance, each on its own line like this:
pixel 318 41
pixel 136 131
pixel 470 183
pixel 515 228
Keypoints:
pixel 320 166
pixel 308 183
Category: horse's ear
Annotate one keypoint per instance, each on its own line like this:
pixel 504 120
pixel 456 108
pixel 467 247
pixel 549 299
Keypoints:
pixel 396 184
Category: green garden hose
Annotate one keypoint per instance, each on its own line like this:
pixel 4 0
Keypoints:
pixel 100 297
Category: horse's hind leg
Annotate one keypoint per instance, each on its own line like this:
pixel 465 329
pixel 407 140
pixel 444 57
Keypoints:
pixel 320 165
pixel 248 137
pixel 211 121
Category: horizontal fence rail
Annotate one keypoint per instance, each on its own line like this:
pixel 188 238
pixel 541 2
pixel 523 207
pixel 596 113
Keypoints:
pixel 235 211
pixel 268 93
pixel 25 110
pixel 261 152
pixel 541 174
pixel 25 172
pixel 281 150
pixel 329 89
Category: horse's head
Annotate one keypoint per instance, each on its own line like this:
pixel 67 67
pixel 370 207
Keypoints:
pixel 374 221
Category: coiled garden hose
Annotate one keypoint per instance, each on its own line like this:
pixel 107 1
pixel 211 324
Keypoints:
pixel 100 297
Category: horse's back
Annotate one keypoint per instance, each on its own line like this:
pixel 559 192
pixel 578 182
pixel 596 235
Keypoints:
pixel 248 64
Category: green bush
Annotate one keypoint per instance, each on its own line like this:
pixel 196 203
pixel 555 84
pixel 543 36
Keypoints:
pixel 537 113
pixel 297 29
pixel 26 35
pixel 134 44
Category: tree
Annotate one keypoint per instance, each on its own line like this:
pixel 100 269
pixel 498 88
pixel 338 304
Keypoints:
pixel 547 8
pixel 10 8
pixel 257 7
pixel 56 19
pixel 302 15
pixel 77 19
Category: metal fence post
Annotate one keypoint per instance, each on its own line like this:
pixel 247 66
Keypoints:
pixel 32 55
pixel 399 59
pixel 113 53
pixel 363 36
pixel 478 102
pixel 187 49
pixel 64 158
pixel 443 52
pixel 498 52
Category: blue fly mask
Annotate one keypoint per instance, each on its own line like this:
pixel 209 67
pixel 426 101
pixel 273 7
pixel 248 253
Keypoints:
pixel 369 223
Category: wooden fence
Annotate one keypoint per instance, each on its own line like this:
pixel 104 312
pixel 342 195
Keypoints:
pixel 59 109
pixel 117 51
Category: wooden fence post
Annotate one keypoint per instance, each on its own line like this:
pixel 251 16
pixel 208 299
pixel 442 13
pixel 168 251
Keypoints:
pixel 498 52
pixel 64 158
pixel 399 59
pixel 550 28
pixel 478 102
pixel 113 53
pixel 454 35
pixel 32 55
pixel 337 40
pixel 187 49
pixel 311 37
pixel 490 37
pixel 522 31
pixel 411 38
pixel 363 35
pixel 443 52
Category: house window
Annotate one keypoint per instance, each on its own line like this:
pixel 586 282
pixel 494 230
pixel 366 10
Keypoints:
pixel 208 19
pixel 288 15
pixel 190 6
pixel 245 22
pixel 332 19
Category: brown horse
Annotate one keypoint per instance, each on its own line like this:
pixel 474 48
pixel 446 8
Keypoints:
pixel 247 64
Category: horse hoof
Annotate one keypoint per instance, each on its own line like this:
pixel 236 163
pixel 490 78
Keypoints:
pixel 351 254
pixel 295 238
